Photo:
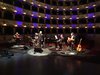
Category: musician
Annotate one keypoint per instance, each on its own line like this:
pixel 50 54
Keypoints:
pixel 41 38
pixel 17 37
pixel 56 39
pixel 71 41
pixel 59 38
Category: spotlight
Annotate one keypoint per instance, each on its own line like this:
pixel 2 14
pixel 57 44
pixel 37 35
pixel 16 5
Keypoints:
pixel 71 9
pixel 64 27
pixel 16 25
pixel 25 26
pixel 15 11
pixel 45 7
pixel 45 16
pixel 32 14
pixel 93 15
pixel 70 18
pixel 39 27
pixel 57 27
pixel 32 3
pixel 24 13
pixel 32 26
pixel 77 27
pixel 64 9
pixel 4 8
pixel 45 27
pixel 24 0
pixel 5 24
pixel 51 8
pixel 64 18
pixel 57 8
pixel 77 8
pixel 70 27
pixel 39 16
pixel 51 27
pixel 85 26
pixel 51 17
pixel 86 17
pixel 77 18
pixel 86 7
pixel 94 5
pixel 93 26
pixel 57 18
pixel 39 5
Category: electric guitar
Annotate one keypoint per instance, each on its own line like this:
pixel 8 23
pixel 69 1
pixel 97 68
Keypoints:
pixel 79 47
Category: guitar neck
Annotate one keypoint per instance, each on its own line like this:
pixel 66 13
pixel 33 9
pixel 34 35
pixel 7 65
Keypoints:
pixel 80 41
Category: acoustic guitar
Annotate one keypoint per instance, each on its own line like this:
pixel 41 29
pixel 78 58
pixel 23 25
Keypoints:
pixel 79 47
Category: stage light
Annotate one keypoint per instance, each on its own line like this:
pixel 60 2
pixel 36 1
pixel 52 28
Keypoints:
pixel 24 13
pixel 19 23
pixel 86 7
pixel 57 18
pixel 16 25
pixel 64 9
pixel 15 11
pixel 64 27
pixel 24 26
pixel 24 0
pixel 45 27
pixel 39 27
pixel 93 26
pixel 51 8
pixel 64 18
pixel 86 17
pixel 5 24
pixel 57 27
pixel 51 17
pixel 70 18
pixel 85 26
pixel 94 5
pixel 77 18
pixel 57 8
pixel 70 27
pixel 32 14
pixel 71 9
pixel 93 15
pixel 4 8
pixel 51 27
pixel 32 26
pixel 45 7
pixel 39 16
pixel 32 3
pixel 77 8
pixel 39 5
pixel 45 16
pixel 77 27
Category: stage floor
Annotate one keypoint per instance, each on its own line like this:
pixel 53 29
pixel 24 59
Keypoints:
pixel 25 64
pixel 49 62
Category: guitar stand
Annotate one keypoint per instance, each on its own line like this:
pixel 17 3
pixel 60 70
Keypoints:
pixel 6 53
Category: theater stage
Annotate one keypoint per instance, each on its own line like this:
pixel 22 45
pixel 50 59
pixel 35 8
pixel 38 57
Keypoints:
pixel 49 62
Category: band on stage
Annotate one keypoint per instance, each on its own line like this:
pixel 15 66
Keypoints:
pixel 39 40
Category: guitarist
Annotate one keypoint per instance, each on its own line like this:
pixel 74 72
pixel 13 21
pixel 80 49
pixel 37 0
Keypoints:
pixel 71 41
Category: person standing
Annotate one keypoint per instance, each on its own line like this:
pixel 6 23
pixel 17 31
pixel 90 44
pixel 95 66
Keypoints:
pixel 71 41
